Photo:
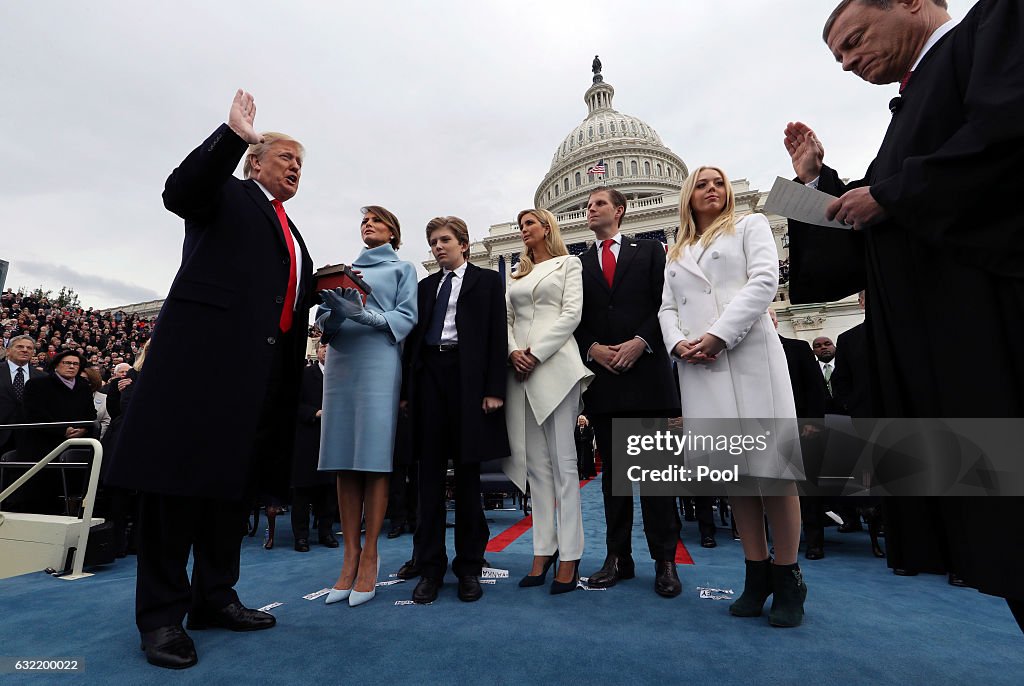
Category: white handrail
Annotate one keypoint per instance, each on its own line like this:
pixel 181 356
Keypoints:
pixel 90 494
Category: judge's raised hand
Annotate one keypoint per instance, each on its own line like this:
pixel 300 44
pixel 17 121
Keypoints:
pixel 805 150
pixel 241 116
pixel 856 208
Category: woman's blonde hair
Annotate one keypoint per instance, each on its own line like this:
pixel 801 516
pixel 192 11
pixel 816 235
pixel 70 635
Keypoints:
pixel 724 223
pixel 552 240
pixel 140 359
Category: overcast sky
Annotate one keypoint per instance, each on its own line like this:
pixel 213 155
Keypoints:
pixel 427 108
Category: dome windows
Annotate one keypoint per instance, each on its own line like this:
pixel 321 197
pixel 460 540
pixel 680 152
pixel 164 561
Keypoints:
pixel 633 168
pixel 647 168
pixel 618 169
pixel 579 180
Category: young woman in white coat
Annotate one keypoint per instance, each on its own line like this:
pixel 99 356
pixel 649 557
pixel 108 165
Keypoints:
pixel 720 277
pixel 545 303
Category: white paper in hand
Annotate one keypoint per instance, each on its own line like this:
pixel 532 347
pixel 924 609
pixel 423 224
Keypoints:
pixel 800 202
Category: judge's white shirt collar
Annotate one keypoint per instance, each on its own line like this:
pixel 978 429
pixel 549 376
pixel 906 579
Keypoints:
pixel 936 36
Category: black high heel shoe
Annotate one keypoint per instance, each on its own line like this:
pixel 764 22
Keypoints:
pixel 566 586
pixel 530 580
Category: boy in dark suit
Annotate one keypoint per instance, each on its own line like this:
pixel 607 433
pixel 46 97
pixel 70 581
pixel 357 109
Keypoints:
pixel 454 384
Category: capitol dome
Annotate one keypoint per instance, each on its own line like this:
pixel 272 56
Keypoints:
pixel 636 162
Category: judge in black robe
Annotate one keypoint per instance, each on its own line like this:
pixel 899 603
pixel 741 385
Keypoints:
pixel 939 249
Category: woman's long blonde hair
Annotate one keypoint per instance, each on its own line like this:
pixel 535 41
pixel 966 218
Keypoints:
pixel 552 241
pixel 725 223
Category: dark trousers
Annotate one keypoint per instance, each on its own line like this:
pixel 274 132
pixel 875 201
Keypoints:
pixel 324 500
pixel 661 518
pixel 402 495
pixel 812 511
pixel 170 527
pixel 438 405
pixel 702 509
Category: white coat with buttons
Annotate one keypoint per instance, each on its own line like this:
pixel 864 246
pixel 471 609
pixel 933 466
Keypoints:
pixel 725 290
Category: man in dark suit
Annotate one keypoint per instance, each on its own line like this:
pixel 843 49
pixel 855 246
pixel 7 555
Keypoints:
pixel 850 386
pixel 620 340
pixel 246 265
pixel 309 485
pixel 810 393
pixel 932 240
pixel 454 383
pixel 17 372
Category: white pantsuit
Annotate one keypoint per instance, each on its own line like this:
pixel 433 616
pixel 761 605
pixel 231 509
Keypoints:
pixel 544 308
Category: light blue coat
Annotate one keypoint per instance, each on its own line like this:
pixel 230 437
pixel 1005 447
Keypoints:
pixel 363 371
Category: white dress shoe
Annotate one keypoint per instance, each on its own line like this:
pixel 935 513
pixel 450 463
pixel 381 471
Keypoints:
pixel 360 597
pixel 336 595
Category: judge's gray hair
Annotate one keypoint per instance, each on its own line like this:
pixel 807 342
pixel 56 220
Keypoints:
pixel 880 4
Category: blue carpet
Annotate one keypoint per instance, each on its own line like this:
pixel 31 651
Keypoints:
pixel 863 625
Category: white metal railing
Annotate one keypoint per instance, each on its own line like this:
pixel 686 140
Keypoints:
pixel 90 494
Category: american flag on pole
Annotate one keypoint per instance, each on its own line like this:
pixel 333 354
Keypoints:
pixel 598 168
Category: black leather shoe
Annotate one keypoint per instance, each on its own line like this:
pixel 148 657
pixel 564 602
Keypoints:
pixel 328 540
pixel 900 571
pixel 469 589
pixel 426 590
pixel 301 545
pixel 410 570
pixel 956 580
pixel 396 531
pixel 615 568
pixel 666 580
pixel 170 647
pixel 814 553
pixel 850 528
pixel 235 616
pixel 708 542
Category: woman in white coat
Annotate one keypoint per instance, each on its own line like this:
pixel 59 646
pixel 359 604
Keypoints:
pixel 720 277
pixel 545 303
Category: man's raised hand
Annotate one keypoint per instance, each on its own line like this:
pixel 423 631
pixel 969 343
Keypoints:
pixel 805 150
pixel 241 116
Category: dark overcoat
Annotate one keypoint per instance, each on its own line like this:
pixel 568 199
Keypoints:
pixel 230 286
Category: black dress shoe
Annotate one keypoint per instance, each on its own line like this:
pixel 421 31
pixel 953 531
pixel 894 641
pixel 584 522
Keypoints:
pixel 469 589
pixel 328 540
pixel 235 616
pixel 666 580
pixel 170 647
pixel 708 542
pixel 396 531
pixel 615 568
pixel 956 580
pixel 426 590
pixel 410 570
pixel 301 545
pixel 845 528
pixel 901 571
pixel 814 553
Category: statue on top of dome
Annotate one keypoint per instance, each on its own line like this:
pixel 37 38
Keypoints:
pixel 596 67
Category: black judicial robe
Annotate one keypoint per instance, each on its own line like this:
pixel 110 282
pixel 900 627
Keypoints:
pixel 944 273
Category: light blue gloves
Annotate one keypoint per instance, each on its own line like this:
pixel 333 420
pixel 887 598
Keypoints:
pixel 347 304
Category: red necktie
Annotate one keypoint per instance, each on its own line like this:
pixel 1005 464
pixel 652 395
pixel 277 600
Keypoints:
pixel 905 80
pixel 289 296
pixel 608 261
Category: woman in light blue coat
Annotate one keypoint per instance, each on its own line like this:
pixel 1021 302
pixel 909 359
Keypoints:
pixel 362 379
